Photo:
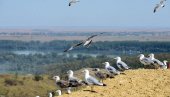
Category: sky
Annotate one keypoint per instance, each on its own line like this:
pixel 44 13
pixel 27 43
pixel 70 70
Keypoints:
pixel 89 13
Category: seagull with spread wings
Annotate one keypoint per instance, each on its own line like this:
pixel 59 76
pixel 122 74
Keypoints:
pixel 85 43
pixel 73 1
pixel 160 5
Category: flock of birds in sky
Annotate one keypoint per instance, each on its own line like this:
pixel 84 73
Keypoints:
pixel 161 4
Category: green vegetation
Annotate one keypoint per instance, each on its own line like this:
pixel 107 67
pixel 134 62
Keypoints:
pixel 52 60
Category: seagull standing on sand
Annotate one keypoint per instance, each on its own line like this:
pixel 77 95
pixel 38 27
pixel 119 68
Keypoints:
pixel 102 76
pixel 73 1
pixel 121 65
pixel 160 5
pixel 86 43
pixel 71 77
pixel 61 83
pixel 74 81
pixel 111 69
pixel 145 61
pixel 91 80
pixel 157 63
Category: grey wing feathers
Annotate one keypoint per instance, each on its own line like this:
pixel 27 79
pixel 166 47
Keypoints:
pixel 93 81
pixel 124 65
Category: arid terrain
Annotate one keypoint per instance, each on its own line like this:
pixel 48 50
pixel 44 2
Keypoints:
pixel 136 83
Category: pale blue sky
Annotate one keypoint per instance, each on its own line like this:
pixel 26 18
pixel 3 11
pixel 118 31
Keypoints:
pixel 116 13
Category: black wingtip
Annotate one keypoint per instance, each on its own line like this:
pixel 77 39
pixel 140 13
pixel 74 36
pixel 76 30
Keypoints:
pixel 104 85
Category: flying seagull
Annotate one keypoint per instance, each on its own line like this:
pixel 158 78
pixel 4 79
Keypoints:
pixel 90 80
pixel 85 43
pixel 73 1
pixel 121 65
pixel 145 61
pixel 111 69
pixel 160 5
pixel 157 63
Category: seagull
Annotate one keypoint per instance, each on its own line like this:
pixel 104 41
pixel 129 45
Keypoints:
pixel 85 43
pixel 111 69
pixel 58 92
pixel 145 61
pixel 73 1
pixel 75 82
pixel 61 83
pixel 121 65
pixel 160 5
pixel 157 63
pixel 165 64
pixel 90 80
pixel 102 76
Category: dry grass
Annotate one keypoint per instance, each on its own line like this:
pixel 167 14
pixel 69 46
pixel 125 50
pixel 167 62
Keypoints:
pixel 136 83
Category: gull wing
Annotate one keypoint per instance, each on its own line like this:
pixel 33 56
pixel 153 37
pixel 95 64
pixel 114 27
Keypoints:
pixel 92 80
pixel 72 47
pixel 93 36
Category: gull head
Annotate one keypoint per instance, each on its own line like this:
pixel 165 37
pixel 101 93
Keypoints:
pixel 57 78
pixel 151 55
pixel 85 71
pixel 70 72
pixel 106 64
pixel 165 61
pixel 117 58
pixel 141 56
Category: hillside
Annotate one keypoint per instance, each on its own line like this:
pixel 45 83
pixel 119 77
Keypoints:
pixel 136 83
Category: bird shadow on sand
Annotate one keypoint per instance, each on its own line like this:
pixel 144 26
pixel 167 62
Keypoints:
pixel 90 91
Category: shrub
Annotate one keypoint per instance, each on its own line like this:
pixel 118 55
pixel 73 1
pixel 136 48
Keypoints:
pixel 13 82
pixel 38 78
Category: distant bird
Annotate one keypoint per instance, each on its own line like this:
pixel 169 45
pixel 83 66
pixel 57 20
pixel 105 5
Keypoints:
pixel 145 61
pixel 86 43
pixel 160 5
pixel 58 92
pixel 91 80
pixel 121 65
pixel 165 64
pixel 73 1
pixel 102 76
pixel 157 63
pixel 111 69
